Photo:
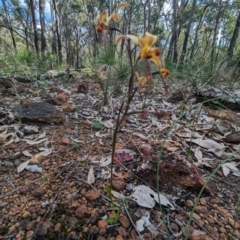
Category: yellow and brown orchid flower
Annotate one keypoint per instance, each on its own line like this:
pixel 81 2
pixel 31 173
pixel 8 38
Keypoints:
pixel 104 19
pixel 164 72
pixel 142 80
pixel 146 43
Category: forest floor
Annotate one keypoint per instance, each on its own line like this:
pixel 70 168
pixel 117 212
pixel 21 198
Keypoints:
pixel 61 192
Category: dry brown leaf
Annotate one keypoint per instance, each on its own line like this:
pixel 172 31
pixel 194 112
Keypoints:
pixel 223 114
pixel 91 178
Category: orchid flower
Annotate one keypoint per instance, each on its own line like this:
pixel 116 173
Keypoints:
pixel 104 20
pixel 145 42
pixel 142 80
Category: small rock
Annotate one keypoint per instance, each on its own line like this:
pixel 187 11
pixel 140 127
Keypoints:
pixel 200 237
pixel 212 230
pixel 25 190
pixel 73 235
pixel 38 192
pixel 43 226
pixel 93 220
pixel 83 191
pixel 29 234
pixel 233 223
pixel 57 227
pixel 189 203
pixel 31 225
pixel 196 216
pixel 62 97
pixel 72 222
pixel 20 235
pixel 174 227
pixel 119 237
pixel 33 211
pixel 26 214
pixel 118 183
pixel 81 211
pixel 222 230
pixel 67 107
pixel 101 238
pixel 124 221
pixel 201 209
pixel 122 231
pixel 92 195
pixel 82 88
pixel 203 201
pixel 102 225
pixel 156 216
pixel 66 141
pixel 93 229
pixel 214 201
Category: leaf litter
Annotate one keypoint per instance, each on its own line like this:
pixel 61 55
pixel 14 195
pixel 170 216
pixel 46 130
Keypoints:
pixel 205 139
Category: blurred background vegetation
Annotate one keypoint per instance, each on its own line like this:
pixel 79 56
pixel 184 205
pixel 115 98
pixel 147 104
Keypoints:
pixel 199 40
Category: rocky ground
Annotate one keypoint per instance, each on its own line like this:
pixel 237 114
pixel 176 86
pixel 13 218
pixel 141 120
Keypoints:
pixel 55 165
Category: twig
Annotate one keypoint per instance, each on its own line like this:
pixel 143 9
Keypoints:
pixel 132 222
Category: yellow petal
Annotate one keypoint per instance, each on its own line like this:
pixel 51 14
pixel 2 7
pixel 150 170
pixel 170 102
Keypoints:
pixel 156 60
pixel 133 38
pixel 147 40
pixel 143 80
pixel 102 17
pixel 119 38
pixel 121 5
pixel 164 72
pixel 114 17
pixel 137 76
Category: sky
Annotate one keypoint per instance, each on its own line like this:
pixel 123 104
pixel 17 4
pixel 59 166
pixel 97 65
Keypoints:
pixel 47 9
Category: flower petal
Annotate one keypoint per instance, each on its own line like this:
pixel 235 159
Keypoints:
pixel 153 53
pixel 114 17
pixel 133 38
pixel 137 76
pixel 147 40
pixel 121 5
pixel 101 27
pixel 157 61
pixel 119 38
pixel 143 80
pixel 164 72
pixel 102 17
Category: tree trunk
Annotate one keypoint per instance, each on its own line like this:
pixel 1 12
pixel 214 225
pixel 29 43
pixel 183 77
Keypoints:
pixel 34 26
pixel 5 5
pixel 172 52
pixel 42 23
pixel 215 33
pixel 234 37
pixel 185 42
pixel 59 42
pixel 200 23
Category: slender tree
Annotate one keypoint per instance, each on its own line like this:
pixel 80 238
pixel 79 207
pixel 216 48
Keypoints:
pixel 59 41
pixel 9 23
pixel 234 36
pixel 42 23
pixel 187 32
pixel 34 23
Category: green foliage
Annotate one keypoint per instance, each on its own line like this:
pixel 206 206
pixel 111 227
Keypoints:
pixel 26 63
pixel 116 213
pixel 106 55
pixel 122 69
